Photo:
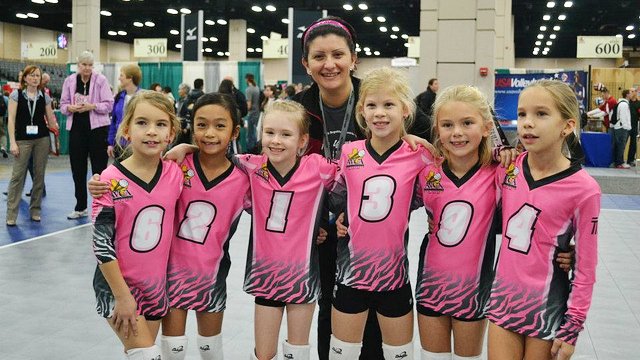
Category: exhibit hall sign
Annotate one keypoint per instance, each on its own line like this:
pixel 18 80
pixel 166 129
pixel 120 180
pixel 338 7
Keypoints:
pixel 41 50
pixel 150 47
pixel 599 47
pixel 275 48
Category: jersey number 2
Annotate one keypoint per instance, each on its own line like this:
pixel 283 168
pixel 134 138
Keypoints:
pixel 197 221
pixel 377 198
pixel 520 228
pixel 147 229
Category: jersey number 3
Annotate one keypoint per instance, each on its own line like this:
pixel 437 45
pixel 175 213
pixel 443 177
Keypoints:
pixel 197 221
pixel 520 228
pixel 377 198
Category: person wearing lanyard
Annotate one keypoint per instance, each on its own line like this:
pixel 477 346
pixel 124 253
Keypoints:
pixel 330 58
pixel 29 135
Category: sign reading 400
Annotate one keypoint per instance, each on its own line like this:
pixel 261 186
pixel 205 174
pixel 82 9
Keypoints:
pixel 599 47
pixel 150 47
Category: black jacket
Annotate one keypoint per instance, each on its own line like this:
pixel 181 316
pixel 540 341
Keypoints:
pixel 425 101
pixel 310 100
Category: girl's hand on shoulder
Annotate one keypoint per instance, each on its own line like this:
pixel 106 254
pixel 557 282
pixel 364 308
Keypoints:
pixel 125 315
pixel 414 141
pixel 342 230
pixel 179 152
pixel 566 259
pixel 561 350
pixel 96 187
pixel 506 156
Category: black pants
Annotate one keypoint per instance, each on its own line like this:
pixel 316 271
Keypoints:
pixel 633 143
pixel 372 342
pixel 83 143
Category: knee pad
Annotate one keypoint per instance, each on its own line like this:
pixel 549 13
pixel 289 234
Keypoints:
pixel 457 357
pixel 402 352
pixel 150 353
pixel 296 352
pixel 210 347
pixel 340 350
pixel 426 355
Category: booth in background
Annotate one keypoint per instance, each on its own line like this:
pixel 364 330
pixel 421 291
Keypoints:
pixel 597 148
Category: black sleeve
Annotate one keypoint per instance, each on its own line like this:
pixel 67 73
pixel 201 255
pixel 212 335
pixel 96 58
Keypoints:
pixel 421 125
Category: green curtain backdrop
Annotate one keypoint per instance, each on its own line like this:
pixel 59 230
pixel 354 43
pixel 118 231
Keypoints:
pixel 245 67
pixel 165 73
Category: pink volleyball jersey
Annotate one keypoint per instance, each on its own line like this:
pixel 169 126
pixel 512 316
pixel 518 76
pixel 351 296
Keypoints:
pixel 379 191
pixel 455 269
pixel 133 223
pixel 282 259
pixel 207 216
pixel 531 295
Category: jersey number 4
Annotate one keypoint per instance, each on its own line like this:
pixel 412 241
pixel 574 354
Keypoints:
pixel 197 221
pixel 147 229
pixel 376 201
pixel 521 227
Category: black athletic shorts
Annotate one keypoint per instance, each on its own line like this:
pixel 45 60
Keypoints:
pixel 423 310
pixel 394 303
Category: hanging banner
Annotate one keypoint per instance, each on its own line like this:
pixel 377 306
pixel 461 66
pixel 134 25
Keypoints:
pixel 150 47
pixel 509 86
pixel 298 22
pixel 275 48
pixel 191 36
pixel 41 50
pixel 599 47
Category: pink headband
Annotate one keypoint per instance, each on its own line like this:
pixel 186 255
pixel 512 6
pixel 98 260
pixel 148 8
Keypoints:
pixel 325 22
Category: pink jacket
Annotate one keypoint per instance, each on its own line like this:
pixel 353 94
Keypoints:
pixel 99 94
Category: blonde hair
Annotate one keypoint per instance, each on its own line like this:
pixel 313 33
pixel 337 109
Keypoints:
pixel 153 98
pixel 292 107
pixel 133 72
pixel 393 81
pixel 473 97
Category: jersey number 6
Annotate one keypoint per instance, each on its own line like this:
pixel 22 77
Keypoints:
pixel 147 229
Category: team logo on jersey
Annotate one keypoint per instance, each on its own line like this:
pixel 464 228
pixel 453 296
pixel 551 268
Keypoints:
pixel 263 172
pixel 188 174
pixel 511 174
pixel 433 181
pixel 355 158
pixel 119 189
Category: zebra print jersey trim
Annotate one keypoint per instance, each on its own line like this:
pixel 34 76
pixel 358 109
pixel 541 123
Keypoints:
pixel 104 234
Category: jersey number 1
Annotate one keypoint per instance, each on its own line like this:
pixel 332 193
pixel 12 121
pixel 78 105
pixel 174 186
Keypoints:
pixel 520 228
pixel 279 212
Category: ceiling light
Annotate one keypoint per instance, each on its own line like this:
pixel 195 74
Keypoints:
pixel 226 53
pixel 552 36
pixel 538 43
pixel 256 8
pixel 549 43
pixel 149 23
pixel 404 36
pixel 70 25
pixel 368 54
pixel 556 28
pixel 536 49
pixel 381 19
pixel 251 30
pixel 562 17
pixel 544 53
pixel 383 29
pixel 222 22
pixel 347 7
pixel 32 15
pixel 38 1
pixel 172 11
pixel 185 11
pixel 270 8
pixel 105 13
pixel 546 17
pixel 209 22
pixel 250 50
pixel 394 36
pixel 174 32
pixel 264 37
pixel 213 38
pixel 112 33
pixel 138 24
pixel 366 49
pixel 376 53
pixel 543 28
pixel 568 3
pixel 358 49
pixel 367 19
pixel 52 1
pixel 395 28
pixel 406 44
pixel 540 36
pixel 220 53
pixel 535 53
pixel 631 36
pixel 178 46
pixel 208 50
pixel 546 49
pixel 551 4
pixel 629 28
pixel 204 39
pixel 363 6
pixel 285 20
pixel 122 33
pixel 259 50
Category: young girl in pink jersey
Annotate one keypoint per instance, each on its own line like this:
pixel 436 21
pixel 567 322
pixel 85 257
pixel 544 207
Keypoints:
pixel 536 311
pixel 208 212
pixel 133 225
pixel 378 176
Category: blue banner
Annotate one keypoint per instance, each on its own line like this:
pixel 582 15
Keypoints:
pixel 509 86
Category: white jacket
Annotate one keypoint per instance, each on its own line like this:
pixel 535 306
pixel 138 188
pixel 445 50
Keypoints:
pixel 624 115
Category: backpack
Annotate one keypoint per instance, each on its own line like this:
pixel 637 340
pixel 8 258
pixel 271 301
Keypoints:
pixel 614 114
pixel 3 107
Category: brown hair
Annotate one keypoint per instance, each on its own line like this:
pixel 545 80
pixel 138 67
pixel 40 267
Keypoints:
pixel 133 72
pixel 29 69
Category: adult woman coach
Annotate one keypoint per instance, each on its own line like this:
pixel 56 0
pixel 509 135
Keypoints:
pixel 29 136
pixel 330 58
pixel 86 101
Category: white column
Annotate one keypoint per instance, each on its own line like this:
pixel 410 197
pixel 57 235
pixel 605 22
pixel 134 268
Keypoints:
pixel 237 40
pixel 85 35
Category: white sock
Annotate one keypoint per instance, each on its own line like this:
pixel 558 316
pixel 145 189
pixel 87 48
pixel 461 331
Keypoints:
pixel 150 353
pixel 296 352
pixel 426 355
pixel 210 347
pixel 457 357
pixel 174 347
pixel 401 352
pixel 340 350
